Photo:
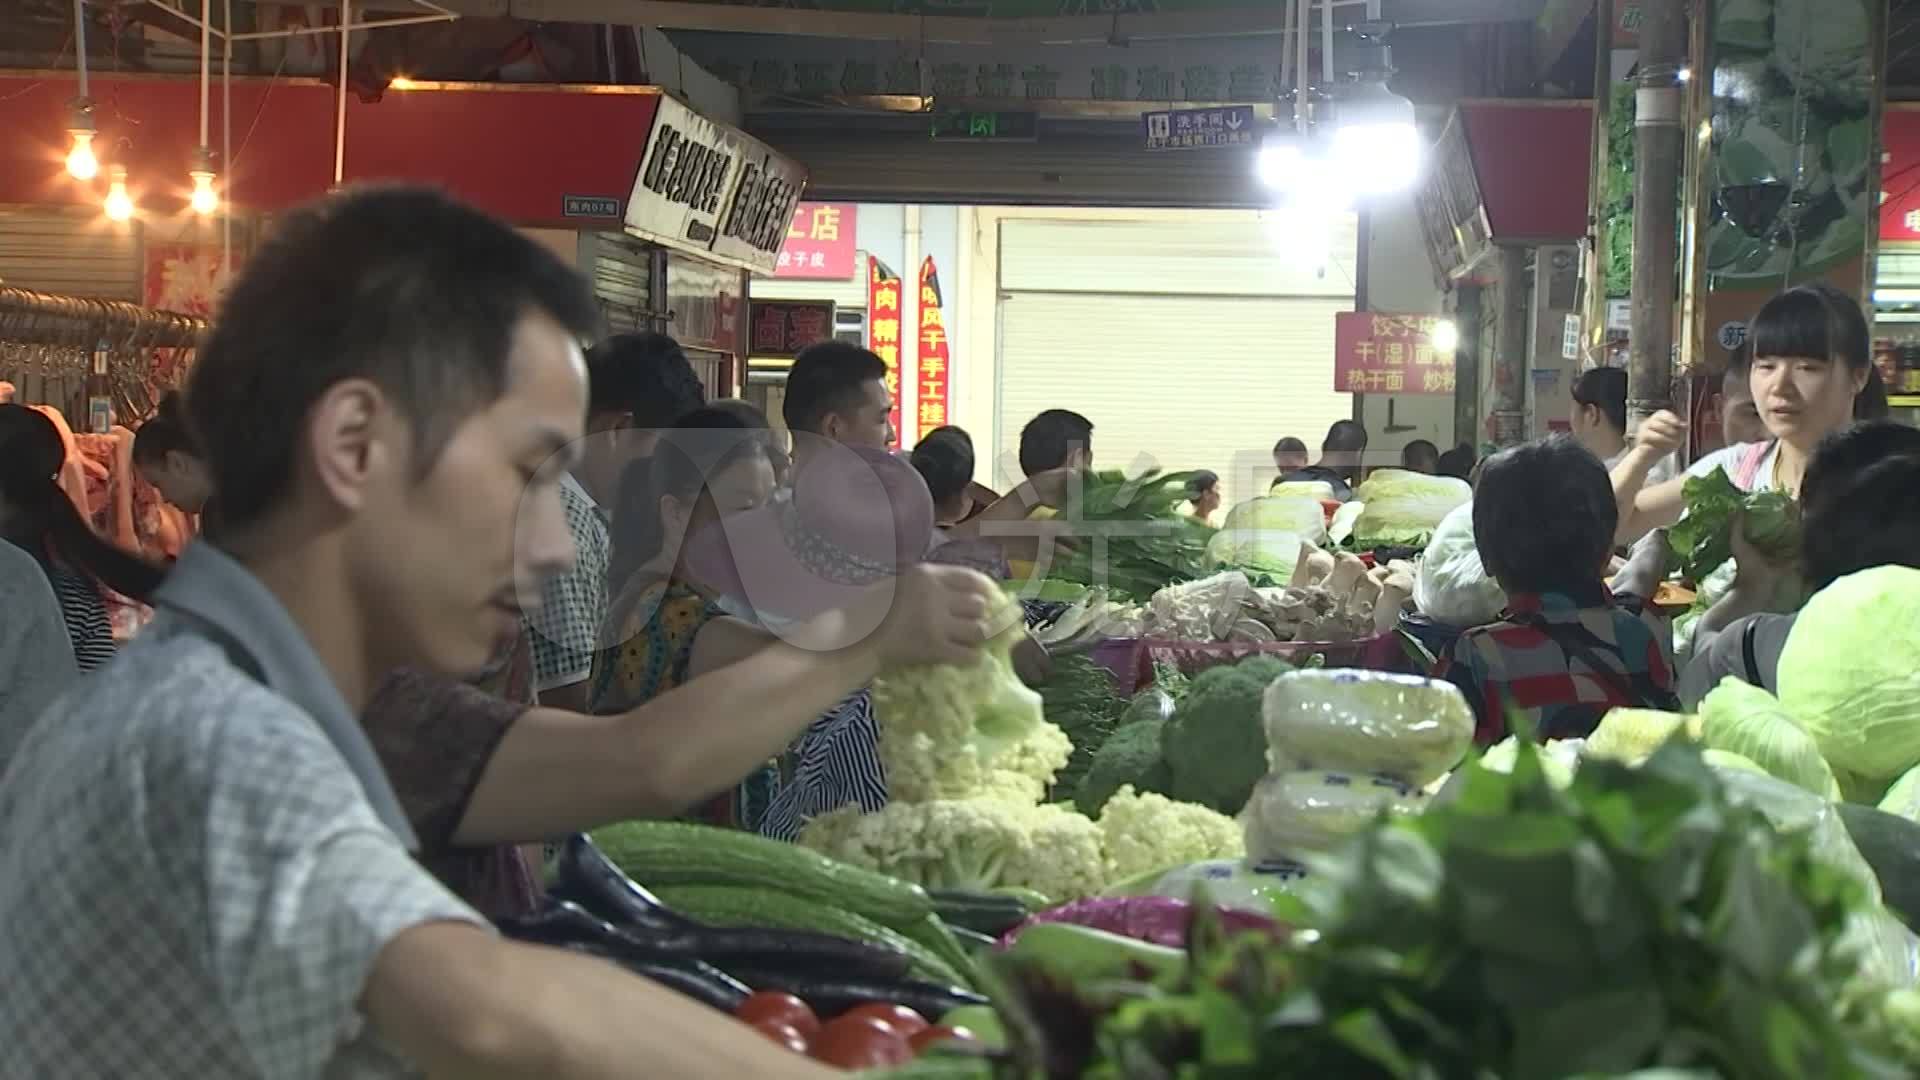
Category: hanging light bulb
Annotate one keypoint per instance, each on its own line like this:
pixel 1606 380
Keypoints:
pixel 205 200
pixel 82 164
pixel 119 205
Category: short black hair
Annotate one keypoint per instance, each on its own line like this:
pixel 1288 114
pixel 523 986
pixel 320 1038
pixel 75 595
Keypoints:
pixel 1048 440
pixel 646 375
pixel 1203 481
pixel 1528 551
pixel 1859 502
pixel 1421 455
pixel 944 459
pixel 825 379
pixel 1605 388
pixel 1458 462
pixel 1345 436
pixel 163 433
pixel 950 430
pixel 1289 445
pixel 402 286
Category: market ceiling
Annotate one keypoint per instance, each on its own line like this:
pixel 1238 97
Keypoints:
pixel 973 22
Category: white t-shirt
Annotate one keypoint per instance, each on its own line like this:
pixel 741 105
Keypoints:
pixel 1729 458
pixel 1661 472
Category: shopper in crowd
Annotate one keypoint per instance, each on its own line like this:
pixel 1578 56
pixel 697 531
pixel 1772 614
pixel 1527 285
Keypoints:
pixel 1811 372
pixel 1600 419
pixel 638 383
pixel 37 516
pixel 1341 455
pixel 666 626
pixel 978 496
pixel 1290 456
pixel 164 454
pixel 1420 456
pixel 1203 495
pixel 381 402
pixel 36 656
pixel 1458 462
pixel 1565 650
pixel 1056 439
pixel 1859 512
pixel 1739 416
pixel 944 459
pixel 837 393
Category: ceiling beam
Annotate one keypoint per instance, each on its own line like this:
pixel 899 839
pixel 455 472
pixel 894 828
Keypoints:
pixel 962 30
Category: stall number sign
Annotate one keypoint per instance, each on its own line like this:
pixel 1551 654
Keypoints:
pixel 822 242
pixel 1377 353
pixel 1199 129
pixel 708 189
pixel 779 329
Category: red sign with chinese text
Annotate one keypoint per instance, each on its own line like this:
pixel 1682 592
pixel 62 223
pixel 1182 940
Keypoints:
pixel 822 242
pixel 779 329
pixel 1378 353
pixel 933 352
pixel 883 328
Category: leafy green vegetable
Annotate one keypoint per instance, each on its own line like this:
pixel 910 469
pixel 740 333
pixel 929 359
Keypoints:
pixel 1080 699
pixel 1404 508
pixel 1847 673
pixel 1703 540
pixel 1748 721
pixel 1133 538
pixel 1131 755
pixel 1639 922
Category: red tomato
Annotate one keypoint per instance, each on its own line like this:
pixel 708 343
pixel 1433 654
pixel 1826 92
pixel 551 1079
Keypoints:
pixel 898 1017
pixel 771 1005
pixel 938 1034
pixel 861 1042
pixel 784 1034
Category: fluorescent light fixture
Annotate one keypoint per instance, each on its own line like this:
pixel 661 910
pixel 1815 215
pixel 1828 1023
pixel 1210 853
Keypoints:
pixel 1896 296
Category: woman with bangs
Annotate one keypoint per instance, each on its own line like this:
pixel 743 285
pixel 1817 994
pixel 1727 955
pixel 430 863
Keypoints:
pixel 1810 368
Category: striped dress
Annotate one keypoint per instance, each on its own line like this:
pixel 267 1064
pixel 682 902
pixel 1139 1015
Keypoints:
pixel 85 610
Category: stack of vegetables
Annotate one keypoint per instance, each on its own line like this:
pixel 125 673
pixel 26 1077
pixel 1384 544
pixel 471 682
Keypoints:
pixel 970 758
pixel 1701 544
pixel 1133 539
pixel 1342 747
pixel 1401 509
pixel 1637 919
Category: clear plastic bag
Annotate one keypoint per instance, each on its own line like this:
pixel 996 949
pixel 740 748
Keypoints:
pixel 1301 813
pixel 1403 727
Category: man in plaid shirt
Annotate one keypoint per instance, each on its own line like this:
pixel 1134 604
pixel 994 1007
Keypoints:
pixel 1566 650
pixel 204 871
pixel 639 384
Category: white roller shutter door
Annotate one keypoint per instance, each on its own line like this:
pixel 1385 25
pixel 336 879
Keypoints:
pixel 1188 344
pixel 73 253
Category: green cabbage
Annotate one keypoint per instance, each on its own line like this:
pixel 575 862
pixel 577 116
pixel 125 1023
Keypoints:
pixel 1318 490
pixel 1748 721
pixel 1404 508
pixel 1264 535
pixel 1903 798
pixel 1703 540
pixel 1727 760
pixel 1850 672
pixel 1630 736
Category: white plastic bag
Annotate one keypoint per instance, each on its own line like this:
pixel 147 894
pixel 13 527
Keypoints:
pixel 1451 586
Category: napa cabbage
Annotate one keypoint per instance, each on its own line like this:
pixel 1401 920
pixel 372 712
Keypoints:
pixel 1404 508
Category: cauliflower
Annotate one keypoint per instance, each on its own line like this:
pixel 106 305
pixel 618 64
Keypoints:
pixel 972 845
pixel 1065 857
pixel 943 728
pixel 1216 743
pixel 1029 766
pixel 1150 832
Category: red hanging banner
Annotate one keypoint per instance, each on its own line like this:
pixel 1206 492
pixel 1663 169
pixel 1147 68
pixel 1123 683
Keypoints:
pixel 883 329
pixel 932 365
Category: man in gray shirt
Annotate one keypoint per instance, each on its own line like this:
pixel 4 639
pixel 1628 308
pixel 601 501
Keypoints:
pixel 36 657
pixel 204 870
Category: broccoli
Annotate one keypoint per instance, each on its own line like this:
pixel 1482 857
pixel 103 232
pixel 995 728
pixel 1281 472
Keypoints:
pixel 1216 744
pixel 1131 754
